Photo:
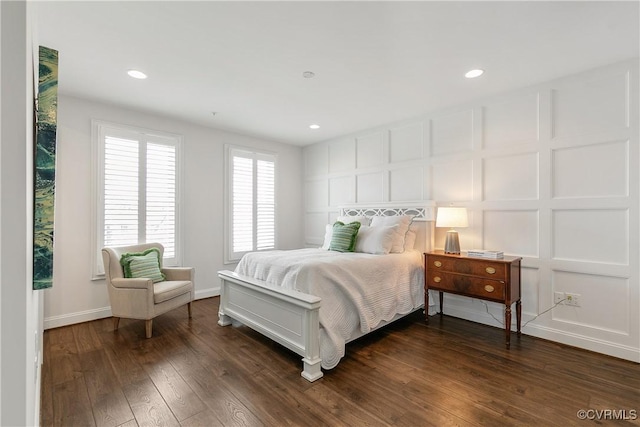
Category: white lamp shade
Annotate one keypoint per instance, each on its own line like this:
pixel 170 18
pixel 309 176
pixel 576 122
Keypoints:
pixel 452 217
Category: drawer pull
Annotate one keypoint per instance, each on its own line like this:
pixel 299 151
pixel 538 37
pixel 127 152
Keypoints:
pixel 437 263
pixel 490 270
pixel 437 279
pixel 489 288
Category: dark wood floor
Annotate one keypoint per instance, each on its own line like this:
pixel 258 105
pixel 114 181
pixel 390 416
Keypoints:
pixel 196 373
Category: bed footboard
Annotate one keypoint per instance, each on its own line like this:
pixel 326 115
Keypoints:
pixel 285 316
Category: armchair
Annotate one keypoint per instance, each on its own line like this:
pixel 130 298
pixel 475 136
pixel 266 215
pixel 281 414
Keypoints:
pixel 140 298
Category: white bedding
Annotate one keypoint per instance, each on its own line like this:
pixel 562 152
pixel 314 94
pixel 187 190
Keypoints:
pixel 358 290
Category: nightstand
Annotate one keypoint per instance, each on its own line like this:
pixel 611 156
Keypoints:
pixel 496 280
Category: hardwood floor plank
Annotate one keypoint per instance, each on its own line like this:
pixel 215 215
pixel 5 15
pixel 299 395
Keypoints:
pixel 148 406
pixel 204 418
pixel 71 404
pixel 85 337
pixel 62 341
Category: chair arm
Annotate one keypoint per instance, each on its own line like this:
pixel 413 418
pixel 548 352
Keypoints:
pixel 140 283
pixel 178 273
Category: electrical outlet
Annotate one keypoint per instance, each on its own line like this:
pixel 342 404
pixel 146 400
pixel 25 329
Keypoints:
pixel 573 300
pixel 558 297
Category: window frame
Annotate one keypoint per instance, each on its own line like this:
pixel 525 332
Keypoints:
pixel 99 131
pixel 231 257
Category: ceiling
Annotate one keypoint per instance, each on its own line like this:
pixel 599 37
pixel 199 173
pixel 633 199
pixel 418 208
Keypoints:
pixel 374 62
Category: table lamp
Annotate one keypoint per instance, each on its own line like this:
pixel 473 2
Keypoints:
pixel 453 218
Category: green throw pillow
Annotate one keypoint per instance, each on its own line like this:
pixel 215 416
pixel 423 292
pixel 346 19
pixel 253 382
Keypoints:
pixel 142 265
pixel 344 236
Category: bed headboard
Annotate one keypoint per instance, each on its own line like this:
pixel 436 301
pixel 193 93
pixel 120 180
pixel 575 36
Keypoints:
pixel 424 216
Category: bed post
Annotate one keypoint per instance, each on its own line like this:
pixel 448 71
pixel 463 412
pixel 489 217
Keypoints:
pixel 312 370
pixel 223 319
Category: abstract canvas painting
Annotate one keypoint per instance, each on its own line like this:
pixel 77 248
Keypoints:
pixel 45 168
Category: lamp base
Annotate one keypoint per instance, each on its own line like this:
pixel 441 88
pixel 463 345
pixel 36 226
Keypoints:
pixel 452 244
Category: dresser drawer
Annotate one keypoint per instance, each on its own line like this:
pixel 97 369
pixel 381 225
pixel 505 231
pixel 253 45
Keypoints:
pixel 475 267
pixel 466 285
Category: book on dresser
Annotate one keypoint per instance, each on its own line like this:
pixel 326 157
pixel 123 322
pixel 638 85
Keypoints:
pixel 481 253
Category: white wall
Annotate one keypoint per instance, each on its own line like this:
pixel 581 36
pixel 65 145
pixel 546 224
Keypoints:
pixel 549 173
pixel 20 306
pixel 74 296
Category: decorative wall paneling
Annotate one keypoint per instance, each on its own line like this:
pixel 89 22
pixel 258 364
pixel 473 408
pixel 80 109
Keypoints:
pixel 549 173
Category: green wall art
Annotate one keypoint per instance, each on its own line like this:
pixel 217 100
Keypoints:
pixel 45 168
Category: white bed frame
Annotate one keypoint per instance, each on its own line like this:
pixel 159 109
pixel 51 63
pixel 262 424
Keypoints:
pixel 290 317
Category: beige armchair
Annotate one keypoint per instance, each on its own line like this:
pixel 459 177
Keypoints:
pixel 141 298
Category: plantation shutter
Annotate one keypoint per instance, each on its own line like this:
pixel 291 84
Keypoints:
pixel 121 187
pixel 242 204
pixel 252 202
pixel 161 197
pixel 265 204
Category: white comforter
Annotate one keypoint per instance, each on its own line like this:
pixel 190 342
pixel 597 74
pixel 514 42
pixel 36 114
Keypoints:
pixel 358 290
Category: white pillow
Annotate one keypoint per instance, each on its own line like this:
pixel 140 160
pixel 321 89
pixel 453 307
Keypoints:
pixel 376 240
pixel 328 233
pixel 346 219
pixel 402 221
pixel 410 240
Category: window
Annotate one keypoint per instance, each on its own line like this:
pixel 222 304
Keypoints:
pixel 137 190
pixel 250 219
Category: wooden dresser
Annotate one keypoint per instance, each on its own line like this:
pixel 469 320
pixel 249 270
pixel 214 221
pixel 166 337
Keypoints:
pixel 496 280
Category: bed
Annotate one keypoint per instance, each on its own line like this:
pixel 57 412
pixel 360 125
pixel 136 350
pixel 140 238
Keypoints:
pixel 314 301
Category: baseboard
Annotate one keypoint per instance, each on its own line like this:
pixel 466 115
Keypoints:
pixel 208 293
pixel 588 343
pixel 103 312
pixel 78 317
pixel 552 334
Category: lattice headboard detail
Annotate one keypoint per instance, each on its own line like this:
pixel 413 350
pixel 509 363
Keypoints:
pixel 422 212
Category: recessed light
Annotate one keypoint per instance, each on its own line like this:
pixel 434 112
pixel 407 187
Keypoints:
pixel 137 74
pixel 472 74
pixel 308 74
pixel 314 126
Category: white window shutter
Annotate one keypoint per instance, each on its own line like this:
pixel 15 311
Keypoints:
pixel 252 202
pixel 120 191
pixel 242 204
pixel 266 206
pixel 161 197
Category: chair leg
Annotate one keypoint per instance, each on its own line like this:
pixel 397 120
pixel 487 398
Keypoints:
pixel 189 308
pixel 116 322
pixel 148 326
